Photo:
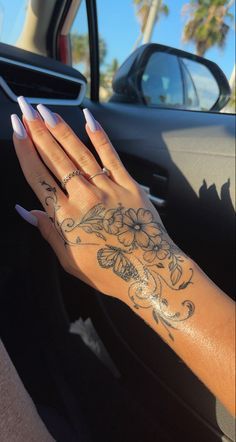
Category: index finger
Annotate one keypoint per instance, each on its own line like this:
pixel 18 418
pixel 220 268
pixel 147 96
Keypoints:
pixel 34 170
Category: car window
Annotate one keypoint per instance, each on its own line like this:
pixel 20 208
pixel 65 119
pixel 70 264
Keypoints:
pixel 24 23
pixel 79 41
pixel 125 25
pixel 12 19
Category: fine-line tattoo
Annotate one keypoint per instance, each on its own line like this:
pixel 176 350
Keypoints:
pixel 142 252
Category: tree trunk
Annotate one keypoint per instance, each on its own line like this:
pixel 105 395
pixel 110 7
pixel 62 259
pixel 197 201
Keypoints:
pixel 151 20
pixel 201 49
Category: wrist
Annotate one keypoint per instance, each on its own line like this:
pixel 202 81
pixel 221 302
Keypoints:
pixel 161 294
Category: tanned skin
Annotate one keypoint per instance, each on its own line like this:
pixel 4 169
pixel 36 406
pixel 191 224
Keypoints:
pixel 106 232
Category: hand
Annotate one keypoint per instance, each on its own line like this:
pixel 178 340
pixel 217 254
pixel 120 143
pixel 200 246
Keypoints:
pixel 104 230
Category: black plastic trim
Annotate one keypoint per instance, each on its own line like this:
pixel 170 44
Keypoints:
pixel 94 49
pixel 21 55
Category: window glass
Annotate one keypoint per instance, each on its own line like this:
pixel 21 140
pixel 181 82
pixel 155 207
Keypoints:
pixel 192 99
pixel 24 23
pixel 12 18
pixel 123 27
pixel 161 81
pixel 205 85
pixel 79 40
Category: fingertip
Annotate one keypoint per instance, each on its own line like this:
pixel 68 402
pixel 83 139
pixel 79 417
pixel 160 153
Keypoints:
pixel 41 216
pixel 90 120
pixel 39 213
pixel 28 216
pixel 89 132
pixel 19 131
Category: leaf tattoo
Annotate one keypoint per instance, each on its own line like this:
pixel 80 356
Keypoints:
pixel 148 261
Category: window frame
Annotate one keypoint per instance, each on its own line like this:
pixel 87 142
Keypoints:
pixel 54 34
pixel 91 7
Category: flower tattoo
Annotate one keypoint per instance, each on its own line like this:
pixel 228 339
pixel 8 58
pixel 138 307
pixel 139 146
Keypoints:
pixel 144 243
pixel 138 228
pixel 158 248
pixel 113 221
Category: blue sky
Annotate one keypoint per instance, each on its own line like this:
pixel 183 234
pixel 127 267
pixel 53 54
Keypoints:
pixel 119 27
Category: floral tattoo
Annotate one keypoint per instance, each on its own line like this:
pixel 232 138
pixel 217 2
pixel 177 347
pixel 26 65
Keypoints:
pixel 141 254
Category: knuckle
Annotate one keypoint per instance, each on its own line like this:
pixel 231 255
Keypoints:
pixel 84 160
pixel 57 158
pixel 109 196
pixel 38 132
pixel 114 163
pixel 104 144
pixel 34 176
pixel 92 199
pixel 56 154
pixel 65 134
pixel 105 198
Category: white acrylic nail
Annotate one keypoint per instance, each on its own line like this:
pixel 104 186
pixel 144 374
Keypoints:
pixel 18 127
pixel 27 110
pixel 26 215
pixel 91 122
pixel 48 116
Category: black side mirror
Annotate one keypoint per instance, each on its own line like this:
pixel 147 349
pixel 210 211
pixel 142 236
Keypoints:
pixel 160 76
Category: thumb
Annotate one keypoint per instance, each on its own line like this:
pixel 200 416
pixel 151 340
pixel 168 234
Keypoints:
pixel 43 223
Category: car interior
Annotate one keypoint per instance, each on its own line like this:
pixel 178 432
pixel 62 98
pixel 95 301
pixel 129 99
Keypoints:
pixel 94 370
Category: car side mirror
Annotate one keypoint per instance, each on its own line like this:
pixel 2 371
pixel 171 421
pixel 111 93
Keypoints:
pixel 160 76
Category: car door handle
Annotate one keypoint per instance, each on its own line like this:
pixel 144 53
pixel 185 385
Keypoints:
pixel 158 202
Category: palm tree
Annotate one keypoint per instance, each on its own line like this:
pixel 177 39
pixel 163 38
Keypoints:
pixel 142 11
pixel 206 25
pixel 80 51
pixel 106 78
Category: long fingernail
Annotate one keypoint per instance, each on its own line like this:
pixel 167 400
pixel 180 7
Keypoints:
pixel 27 110
pixel 18 127
pixel 91 122
pixel 49 117
pixel 26 215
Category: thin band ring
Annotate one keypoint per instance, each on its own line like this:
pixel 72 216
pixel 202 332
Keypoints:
pixel 70 175
pixel 104 171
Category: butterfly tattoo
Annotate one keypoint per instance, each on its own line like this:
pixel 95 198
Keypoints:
pixel 114 258
pixel 154 272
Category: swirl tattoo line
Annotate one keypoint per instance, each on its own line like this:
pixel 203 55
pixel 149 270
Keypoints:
pixel 143 253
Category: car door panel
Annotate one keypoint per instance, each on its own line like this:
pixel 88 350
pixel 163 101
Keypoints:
pixel 193 153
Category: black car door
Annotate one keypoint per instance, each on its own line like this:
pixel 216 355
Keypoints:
pixel 186 160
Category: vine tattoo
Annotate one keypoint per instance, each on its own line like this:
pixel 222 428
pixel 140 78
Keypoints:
pixel 141 254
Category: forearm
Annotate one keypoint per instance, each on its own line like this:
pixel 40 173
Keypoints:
pixel 204 339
